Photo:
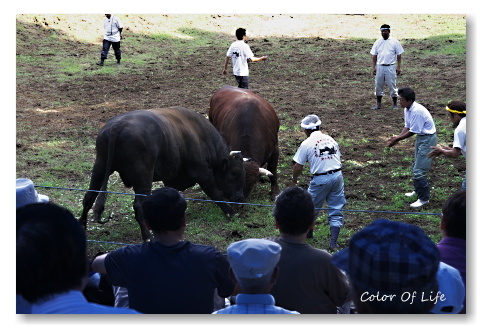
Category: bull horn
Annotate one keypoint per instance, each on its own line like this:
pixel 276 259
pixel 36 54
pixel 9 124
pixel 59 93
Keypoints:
pixel 247 159
pixel 234 152
pixel 264 171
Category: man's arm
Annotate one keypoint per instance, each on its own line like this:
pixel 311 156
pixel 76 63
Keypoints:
pixel 255 59
pixel 374 64
pixel 444 150
pixel 98 264
pixel 399 63
pixel 403 135
pixel 297 171
pixel 224 72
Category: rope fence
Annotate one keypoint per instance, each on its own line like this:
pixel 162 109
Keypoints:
pixel 236 203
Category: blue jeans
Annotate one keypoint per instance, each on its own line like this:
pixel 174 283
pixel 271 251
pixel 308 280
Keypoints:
pixel 106 48
pixel 329 188
pixel 242 81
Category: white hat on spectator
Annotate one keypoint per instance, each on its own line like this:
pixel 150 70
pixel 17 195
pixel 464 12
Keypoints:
pixel 26 193
pixel 253 257
pixel 450 284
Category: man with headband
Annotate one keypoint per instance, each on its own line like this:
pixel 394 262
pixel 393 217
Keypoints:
pixel 385 52
pixel 326 184
pixel 458 115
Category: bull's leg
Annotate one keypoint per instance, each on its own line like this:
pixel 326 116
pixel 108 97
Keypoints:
pixel 98 174
pixel 272 167
pixel 140 177
pixel 146 235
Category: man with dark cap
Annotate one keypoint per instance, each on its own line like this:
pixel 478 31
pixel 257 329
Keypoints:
pixel 385 52
pixel 392 268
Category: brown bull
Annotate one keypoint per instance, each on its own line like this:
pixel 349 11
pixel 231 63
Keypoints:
pixel 248 123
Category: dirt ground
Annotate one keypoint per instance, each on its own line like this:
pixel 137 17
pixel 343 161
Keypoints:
pixel 342 99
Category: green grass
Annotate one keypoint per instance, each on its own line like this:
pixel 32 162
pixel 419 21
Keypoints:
pixel 58 58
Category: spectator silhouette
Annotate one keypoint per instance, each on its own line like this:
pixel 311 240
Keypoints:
pixel 52 262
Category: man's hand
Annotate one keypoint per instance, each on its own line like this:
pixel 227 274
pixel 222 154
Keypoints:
pixel 392 141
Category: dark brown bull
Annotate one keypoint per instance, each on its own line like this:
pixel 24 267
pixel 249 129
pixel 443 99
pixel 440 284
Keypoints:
pixel 175 145
pixel 249 124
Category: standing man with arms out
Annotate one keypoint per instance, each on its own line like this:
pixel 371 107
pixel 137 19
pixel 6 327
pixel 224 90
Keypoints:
pixel 323 155
pixel 458 115
pixel 113 34
pixel 385 52
pixel 240 52
pixel 419 121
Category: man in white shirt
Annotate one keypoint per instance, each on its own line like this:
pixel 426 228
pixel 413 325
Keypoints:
pixel 419 121
pixel 240 52
pixel 113 34
pixel 323 155
pixel 385 52
pixel 458 115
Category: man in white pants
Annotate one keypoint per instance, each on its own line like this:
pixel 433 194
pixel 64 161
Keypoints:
pixel 385 52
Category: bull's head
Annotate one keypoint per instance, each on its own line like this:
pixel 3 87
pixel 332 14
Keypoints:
pixel 231 177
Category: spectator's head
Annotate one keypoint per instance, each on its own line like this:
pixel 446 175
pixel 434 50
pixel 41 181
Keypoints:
pixel 253 264
pixel 454 219
pixel 390 264
pixel 294 211
pixel 164 210
pixel 26 193
pixel 240 32
pixel 51 252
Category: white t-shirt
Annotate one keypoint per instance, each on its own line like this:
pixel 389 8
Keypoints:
pixel 386 50
pixel 321 152
pixel 419 120
pixel 111 26
pixel 460 136
pixel 239 51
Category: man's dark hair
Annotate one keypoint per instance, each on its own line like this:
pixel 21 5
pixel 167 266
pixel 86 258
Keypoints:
pixel 455 215
pixel 294 210
pixel 407 93
pixel 385 26
pixel 51 251
pixel 240 33
pixel 459 106
pixel 164 209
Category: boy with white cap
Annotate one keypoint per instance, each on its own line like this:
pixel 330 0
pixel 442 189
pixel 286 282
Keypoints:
pixel 253 267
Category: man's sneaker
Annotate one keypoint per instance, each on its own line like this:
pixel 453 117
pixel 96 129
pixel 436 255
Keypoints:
pixel 100 63
pixel 418 203
pixel 410 194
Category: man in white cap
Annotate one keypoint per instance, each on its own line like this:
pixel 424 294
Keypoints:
pixel 253 268
pixel 323 155
pixel 26 193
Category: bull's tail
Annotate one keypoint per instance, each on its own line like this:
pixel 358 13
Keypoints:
pixel 102 197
